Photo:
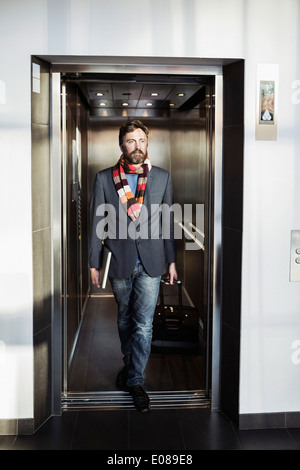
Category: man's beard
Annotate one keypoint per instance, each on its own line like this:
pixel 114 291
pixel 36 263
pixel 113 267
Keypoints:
pixel 136 157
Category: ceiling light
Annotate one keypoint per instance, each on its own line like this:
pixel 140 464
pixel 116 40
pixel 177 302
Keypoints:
pixel 180 94
pixel 99 94
pixel 148 104
pixel 171 104
pixel 124 104
pixel 102 104
pixel 154 93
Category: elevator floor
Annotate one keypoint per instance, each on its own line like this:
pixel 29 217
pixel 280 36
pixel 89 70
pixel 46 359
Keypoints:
pixel 97 357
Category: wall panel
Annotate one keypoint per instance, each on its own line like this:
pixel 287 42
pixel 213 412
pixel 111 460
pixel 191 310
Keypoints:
pixel 232 225
pixel 41 245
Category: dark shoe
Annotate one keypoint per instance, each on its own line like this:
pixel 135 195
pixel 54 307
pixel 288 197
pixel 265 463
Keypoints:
pixel 122 379
pixel 140 398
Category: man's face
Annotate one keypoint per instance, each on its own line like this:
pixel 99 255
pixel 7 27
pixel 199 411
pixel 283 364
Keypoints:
pixel 134 146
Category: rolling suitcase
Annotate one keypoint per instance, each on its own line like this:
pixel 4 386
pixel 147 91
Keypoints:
pixel 175 326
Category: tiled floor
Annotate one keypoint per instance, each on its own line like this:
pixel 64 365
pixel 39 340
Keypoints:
pixel 160 430
pixel 171 429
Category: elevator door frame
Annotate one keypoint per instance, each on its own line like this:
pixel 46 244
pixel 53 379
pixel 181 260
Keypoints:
pixel 160 66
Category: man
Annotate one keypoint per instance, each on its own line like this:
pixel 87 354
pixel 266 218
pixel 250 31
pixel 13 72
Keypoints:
pixel 133 192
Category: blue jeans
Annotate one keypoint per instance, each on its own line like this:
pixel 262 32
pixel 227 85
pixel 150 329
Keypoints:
pixel 136 298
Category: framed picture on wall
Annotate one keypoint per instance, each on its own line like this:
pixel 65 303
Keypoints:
pixel 266 102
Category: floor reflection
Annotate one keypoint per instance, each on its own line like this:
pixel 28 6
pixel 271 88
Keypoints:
pixel 97 358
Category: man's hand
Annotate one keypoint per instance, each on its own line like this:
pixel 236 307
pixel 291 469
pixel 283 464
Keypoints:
pixel 172 272
pixel 95 276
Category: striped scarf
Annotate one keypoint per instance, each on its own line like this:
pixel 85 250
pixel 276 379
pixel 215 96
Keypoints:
pixel 131 203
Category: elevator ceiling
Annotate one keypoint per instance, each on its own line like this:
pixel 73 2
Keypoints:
pixel 140 96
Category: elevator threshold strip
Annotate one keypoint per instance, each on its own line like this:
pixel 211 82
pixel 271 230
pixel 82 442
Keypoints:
pixel 122 400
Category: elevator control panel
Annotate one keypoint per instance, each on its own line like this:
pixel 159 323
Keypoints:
pixel 295 256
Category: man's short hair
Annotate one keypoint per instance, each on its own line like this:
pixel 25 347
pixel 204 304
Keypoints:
pixel 131 126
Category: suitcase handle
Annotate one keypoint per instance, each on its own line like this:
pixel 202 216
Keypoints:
pixel 167 281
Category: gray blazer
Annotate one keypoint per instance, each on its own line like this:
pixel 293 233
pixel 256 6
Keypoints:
pixel 151 238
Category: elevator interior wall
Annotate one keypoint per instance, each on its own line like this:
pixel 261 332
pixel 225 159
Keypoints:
pixel 74 223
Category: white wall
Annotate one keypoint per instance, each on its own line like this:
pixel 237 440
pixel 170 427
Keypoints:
pixel 270 377
pixel 260 31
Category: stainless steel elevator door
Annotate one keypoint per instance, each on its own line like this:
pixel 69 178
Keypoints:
pixel 74 216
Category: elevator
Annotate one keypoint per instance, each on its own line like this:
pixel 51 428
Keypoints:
pixel 178 109
pixel 199 139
